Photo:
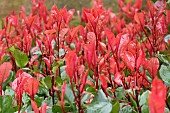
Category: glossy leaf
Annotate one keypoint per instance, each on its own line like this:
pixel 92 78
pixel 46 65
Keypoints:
pixel 4 71
pixel 158 92
pixel 164 74
pixel 21 58
pixel 31 87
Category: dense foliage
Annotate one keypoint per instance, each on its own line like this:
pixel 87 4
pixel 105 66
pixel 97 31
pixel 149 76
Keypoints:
pixel 94 62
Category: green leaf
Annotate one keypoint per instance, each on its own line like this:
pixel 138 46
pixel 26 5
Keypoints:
pixel 56 109
pixel 99 107
pixel 47 81
pixel 38 100
pixel 144 102
pixel 133 101
pixel 69 95
pixel 85 97
pixel 125 109
pixel 9 91
pixel 161 58
pixel 21 58
pixel 144 98
pixel 116 107
pixel 100 97
pixel 11 49
pixel 164 74
pixel 5 58
pixel 120 93
pixel 6 104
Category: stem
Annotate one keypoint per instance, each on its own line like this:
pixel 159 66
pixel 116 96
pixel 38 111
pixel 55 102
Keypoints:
pixel 52 89
pixel 137 101
pixel 0 90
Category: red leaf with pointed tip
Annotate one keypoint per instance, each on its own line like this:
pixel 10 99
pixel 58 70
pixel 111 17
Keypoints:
pixel 111 39
pixel 117 78
pixel 129 60
pixel 74 31
pixel 63 91
pixel 102 47
pixel 124 40
pixel 4 71
pixel 113 66
pixel 104 82
pixel 140 59
pixel 71 61
pixel 158 93
pixel 34 106
pixel 47 61
pixel 83 80
pixel 31 87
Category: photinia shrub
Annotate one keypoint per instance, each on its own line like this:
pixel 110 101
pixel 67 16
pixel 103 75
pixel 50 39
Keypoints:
pixel 96 61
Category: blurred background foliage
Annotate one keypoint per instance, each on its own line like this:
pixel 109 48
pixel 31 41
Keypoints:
pixel 6 6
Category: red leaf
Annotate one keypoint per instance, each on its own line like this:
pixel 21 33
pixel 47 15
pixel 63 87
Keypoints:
pixel 152 66
pixel 4 71
pixel 18 85
pixel 74 31
pixel 90 54
pixel 111 39
pixel 47 61
pixel 168 16
pixel 140 59
pixel 34 106
pixel 102 47
pixel 104 82
pixel 83 81
pixel 91 36
pixel 139 18
pixel 43 108
pixel 31 87
pixel 63 32
pixel 158 93
pixel 48 32
pixel 117 78
pixel 63 91
pixel 71 61
pixel 129 60
pixel 113 66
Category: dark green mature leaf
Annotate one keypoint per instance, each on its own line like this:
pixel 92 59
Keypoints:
pixel 99 107
pixel 164 74
pixel 6 104
pixel 56 109
pixel 21 58
pixel 164 60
